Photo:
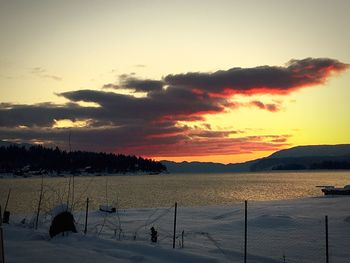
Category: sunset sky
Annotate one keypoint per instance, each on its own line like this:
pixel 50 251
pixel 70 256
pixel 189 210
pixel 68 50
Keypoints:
pixel 221 81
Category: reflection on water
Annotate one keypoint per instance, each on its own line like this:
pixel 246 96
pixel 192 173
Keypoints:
pixel 164 190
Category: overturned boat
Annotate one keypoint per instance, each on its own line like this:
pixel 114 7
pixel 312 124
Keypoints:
pixel 331 190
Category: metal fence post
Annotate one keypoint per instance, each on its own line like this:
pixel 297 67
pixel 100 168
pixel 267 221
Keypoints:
pixel 326 228
pixel 40 199
pixel 2 252
pixel 182 238
pixel 86 215
pixel 245 230
pixel 2 256
pixel 7 200
pixel 174 225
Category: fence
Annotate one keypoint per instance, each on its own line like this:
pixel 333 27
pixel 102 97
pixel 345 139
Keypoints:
pixel 270 234
pixel 264 232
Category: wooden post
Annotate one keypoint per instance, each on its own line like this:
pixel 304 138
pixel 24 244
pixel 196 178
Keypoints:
pixel 245 230
pixel 70 167
pixel 72 205
pixel 2 253
pixel 6 214
pixel 86 215
pixel 7 200
pixel 39 204
pixel 182 239
pixel 174 225
pixel 326 226
pixel 68 194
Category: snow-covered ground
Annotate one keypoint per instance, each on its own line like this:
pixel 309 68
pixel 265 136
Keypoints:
pixel 278 231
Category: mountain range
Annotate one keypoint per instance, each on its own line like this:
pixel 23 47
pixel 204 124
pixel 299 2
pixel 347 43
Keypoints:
pixel 296 158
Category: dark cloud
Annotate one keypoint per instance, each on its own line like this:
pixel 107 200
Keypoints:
pixel 174 103
pixel 111 86
pixel 273 107
pixel 263 79
pixel 151 125
pixel 41 115
pixel 146 85
pixel 137 85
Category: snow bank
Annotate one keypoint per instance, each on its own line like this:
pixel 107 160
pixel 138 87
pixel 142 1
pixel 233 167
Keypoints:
pixel 272 221
pixel 292 229
pixel 59 209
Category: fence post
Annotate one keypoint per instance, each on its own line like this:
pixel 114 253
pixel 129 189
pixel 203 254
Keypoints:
pixel 86 215
pixel 174 224
pixel 7 200
pixel 2 252
pixel 326 228
pixel 245 231
pixel 39 204
pixel 182 238
pixel 6 214
pixel 2 256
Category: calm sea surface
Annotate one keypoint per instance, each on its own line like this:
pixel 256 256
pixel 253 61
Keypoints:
pixel 164 190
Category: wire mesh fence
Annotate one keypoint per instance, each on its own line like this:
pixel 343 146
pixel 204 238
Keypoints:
pixel 275 233
pixel 283 237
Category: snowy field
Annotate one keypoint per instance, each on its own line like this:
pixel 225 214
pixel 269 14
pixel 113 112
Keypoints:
pixel 278 231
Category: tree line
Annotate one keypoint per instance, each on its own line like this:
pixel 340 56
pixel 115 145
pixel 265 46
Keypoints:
pixel 324 165
pixel 16 158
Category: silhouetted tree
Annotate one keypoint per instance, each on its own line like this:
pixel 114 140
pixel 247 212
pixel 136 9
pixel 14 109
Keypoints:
pixel 38 158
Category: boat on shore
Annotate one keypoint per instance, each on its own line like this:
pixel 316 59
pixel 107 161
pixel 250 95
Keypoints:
pixel 107 208
pixel 331 190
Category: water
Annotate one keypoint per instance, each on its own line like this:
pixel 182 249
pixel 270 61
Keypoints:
pixel 164 190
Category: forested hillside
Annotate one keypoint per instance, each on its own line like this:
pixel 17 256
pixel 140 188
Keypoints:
pixel 14 158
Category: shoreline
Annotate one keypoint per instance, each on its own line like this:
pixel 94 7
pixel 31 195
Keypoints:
pixel 67 175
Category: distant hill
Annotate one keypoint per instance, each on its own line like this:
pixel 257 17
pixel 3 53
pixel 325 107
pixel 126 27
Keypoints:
pixel 296 158
pixel 313 151
pixel 307 157
pixel 207 167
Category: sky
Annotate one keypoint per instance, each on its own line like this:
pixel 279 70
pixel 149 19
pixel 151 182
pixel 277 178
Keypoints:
pixel 217 81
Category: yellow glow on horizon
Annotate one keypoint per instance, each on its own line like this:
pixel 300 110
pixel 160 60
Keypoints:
pixel 234 158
